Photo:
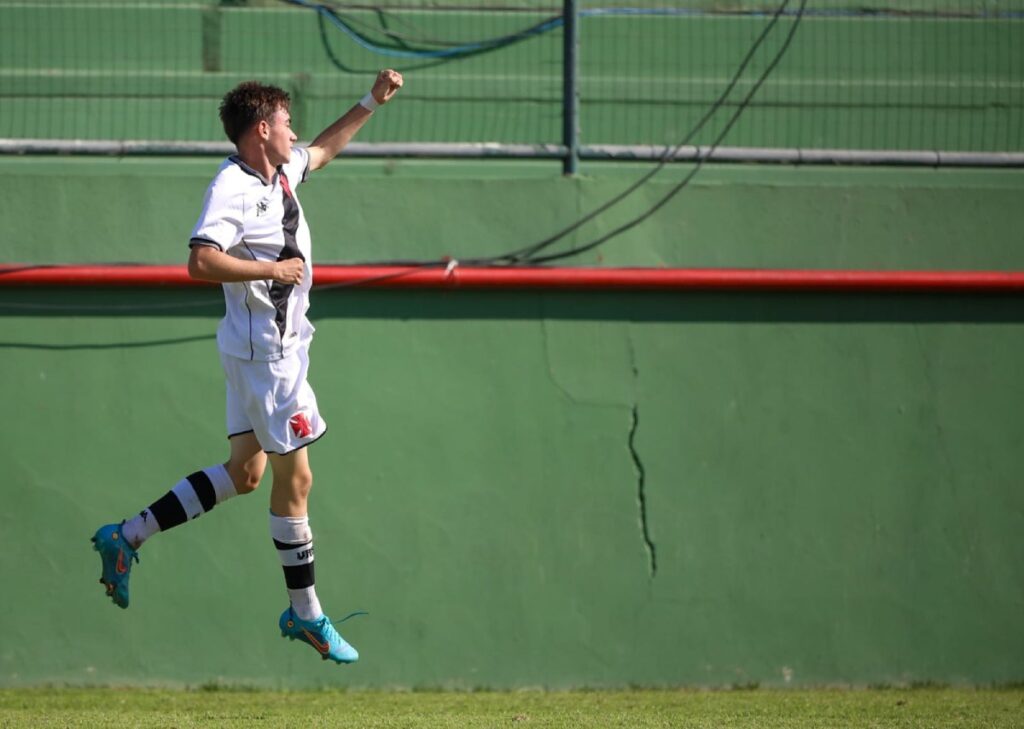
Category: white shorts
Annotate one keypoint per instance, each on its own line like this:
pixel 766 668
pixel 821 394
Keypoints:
pixel 273 401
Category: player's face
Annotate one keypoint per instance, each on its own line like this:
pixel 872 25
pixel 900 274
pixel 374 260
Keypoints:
pixel 279 143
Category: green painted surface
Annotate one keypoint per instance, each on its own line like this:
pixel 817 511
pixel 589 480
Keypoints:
pixel 830 484
pixel 730 216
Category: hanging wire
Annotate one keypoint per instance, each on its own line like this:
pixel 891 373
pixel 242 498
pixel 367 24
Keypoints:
pixel 528 253
pixel 452 51
pixel 534 259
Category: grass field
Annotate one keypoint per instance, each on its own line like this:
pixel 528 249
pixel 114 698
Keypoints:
pixel 797 709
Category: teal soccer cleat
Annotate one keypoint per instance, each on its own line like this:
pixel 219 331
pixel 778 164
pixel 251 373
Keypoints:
pixel 117 556
pixel 320 634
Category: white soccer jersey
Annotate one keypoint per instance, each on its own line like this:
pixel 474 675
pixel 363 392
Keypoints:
pixel 252 218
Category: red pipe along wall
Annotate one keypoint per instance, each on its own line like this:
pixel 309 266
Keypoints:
pixel 456 276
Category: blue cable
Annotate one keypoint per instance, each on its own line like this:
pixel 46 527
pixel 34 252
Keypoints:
pixel 547 26
pixel 470 48
pixel 452 52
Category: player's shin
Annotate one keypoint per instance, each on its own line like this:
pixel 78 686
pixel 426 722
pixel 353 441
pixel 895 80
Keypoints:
pixel 192 497
pixel 294 541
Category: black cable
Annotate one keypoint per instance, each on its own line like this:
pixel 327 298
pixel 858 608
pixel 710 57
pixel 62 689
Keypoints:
pixel 528 255
pixel 415 64
pixel 332 56
pixel 700 163
pixel 27 267
pixel 133 308
pixel 400 40
pixel 454 50
pixel 525 254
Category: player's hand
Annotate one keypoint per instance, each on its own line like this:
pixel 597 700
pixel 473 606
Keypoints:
pixel 289 271
pixel 387 85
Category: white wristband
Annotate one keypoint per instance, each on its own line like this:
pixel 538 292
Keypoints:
pixel 368 102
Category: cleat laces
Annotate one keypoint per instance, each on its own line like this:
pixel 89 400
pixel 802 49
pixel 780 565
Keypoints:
pixel 326 629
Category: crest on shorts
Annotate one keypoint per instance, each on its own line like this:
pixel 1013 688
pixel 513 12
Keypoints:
pixel 300 425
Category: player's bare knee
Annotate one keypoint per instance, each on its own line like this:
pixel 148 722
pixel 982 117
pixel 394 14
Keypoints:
pixel 302 483
pixel 246 477
pixel 249 483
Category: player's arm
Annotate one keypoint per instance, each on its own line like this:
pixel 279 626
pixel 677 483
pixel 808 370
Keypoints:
pixel 206 263
pixel 333 139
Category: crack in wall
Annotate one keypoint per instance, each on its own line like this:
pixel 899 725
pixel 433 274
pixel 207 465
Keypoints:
pixel 652 555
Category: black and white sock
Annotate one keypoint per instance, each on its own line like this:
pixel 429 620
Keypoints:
pixel 294 541
pixel 189 499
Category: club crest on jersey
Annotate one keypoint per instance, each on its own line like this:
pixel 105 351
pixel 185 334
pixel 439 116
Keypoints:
pixel 300 425
pixel 261 207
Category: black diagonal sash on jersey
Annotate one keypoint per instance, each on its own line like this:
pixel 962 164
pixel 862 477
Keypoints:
pixel 280 292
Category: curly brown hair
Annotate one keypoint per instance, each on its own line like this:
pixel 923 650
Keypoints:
pixel 248 103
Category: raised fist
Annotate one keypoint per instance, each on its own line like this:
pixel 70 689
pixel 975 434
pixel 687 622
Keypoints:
pixel 388 82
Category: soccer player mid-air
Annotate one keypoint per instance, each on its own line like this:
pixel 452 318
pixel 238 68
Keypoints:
pixel 252 237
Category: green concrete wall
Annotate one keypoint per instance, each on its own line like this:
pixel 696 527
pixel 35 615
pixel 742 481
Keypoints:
pixel 535 489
